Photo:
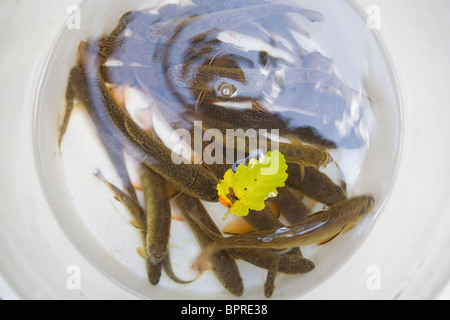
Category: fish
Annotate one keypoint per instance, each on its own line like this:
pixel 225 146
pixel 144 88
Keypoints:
pixel 139 221
pixel 77 88
pixel 262 220
pixel 188 26
pixel 269 285
pixel 292 260
pixel 177 54
pixel 253 144
pixel 190 178
pixel 135 21
pixel 133 206
pixel 319 228
pixel 289 263
pixel 158 214
pixel 248 82
pixel 198 220
pixel 291 208
pixel 222 118
pixel 223 266
pixel 109 44
pixel 153 271
pixel 315 184
pixel 266 220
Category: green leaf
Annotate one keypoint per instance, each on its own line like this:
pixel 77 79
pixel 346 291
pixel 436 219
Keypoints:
pixel 248 187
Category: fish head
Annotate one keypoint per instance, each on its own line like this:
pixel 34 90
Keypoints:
pixel 357 209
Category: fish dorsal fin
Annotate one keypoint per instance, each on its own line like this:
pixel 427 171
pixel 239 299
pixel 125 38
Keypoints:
pixel 328 240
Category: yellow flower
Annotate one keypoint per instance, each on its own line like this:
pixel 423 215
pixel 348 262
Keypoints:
pixel 251 185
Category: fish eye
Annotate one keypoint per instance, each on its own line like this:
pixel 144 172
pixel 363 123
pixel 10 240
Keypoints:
pixel 226 90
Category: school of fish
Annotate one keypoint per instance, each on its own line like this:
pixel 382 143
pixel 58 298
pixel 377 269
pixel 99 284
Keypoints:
pixel 188 61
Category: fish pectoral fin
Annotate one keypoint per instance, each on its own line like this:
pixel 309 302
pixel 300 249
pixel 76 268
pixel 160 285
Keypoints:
pixel 302 173
pixel 258 106
pixel 328 240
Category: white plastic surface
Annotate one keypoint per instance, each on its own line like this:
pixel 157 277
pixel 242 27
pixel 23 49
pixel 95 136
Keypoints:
pixel 407 246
